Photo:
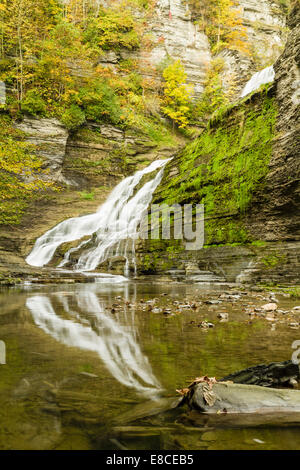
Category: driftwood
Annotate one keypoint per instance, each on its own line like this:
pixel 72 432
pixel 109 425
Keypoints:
pixel 223 397
pixel 276 374
pixel 147 409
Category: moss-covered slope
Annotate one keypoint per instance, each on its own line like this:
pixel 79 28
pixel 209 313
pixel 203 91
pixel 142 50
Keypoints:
pixel 225 167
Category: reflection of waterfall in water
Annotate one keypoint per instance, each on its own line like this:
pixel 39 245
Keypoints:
pixel 266 75
pixel 116 344
pixel 115 225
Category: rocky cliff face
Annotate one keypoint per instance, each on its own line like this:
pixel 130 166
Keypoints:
pixel 175 35
pixel 86 164
pixel 100 155
pixel 265 24
pixel 50 137
pixel 258 140
pixel 278 216
pixel 284 178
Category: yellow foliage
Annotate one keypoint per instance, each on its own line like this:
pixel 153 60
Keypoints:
pixel 177 95
pixel 222 22
pixel 20 173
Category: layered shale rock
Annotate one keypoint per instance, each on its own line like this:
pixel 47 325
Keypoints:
pixel 245 170
pixel 178 37
pixel 50 137
pixel 276 214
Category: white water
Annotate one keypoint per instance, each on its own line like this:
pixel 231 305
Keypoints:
pixel 266 75
pixel 91 328
pixel 115 225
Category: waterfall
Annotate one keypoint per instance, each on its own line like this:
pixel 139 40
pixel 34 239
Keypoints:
pixel 89 327
pixel 114 227
pixel 266 75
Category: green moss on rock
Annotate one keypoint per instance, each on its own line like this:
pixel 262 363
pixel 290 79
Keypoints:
pixel 224 167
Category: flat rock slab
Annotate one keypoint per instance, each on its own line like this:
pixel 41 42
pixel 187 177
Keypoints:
pixel 240 398
pixel 237 420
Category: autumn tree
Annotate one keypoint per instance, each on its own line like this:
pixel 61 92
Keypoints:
pixel 78 11
pixel 177 95
pixel 24 24
pixel 222 21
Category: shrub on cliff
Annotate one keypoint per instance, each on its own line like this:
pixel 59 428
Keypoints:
pixel 33 103
pixel 100 102
pixel 73 117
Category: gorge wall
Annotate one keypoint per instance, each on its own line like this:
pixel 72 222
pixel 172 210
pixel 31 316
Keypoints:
pixel 245 169
pixel 88 162
pixel 175 35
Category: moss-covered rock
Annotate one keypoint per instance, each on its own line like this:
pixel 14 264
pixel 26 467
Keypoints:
pixel 224 167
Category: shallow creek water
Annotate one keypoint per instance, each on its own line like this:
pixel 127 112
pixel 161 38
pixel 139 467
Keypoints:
pixel 87 365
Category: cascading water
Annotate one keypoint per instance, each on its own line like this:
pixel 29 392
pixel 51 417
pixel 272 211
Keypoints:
pixel 266 75
pixel 114 226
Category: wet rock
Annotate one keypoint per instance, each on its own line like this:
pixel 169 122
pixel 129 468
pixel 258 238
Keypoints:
pixel 156 310
pixel 223 315
pixel 294 325
pixel 167 311
pixel 269 307
pixel 205 325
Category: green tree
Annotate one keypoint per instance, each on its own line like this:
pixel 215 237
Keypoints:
pixel 33 103
pixel 73 117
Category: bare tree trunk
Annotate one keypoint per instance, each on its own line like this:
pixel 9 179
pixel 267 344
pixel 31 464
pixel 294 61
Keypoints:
pixel 21 61
pixel 98 8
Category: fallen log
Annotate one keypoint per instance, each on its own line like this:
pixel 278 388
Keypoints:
pixel 225 397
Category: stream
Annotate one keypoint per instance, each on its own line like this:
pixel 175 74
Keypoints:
pixel 97 365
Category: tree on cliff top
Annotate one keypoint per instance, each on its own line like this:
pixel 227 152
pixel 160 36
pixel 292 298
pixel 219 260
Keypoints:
pixel 222 21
